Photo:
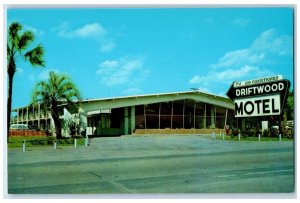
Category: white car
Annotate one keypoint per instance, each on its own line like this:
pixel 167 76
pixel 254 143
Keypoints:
pixel 19 127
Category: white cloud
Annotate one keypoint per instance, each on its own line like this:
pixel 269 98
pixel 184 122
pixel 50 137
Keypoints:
pixel 86 31
pixel 238 58
pixel 246 63
pixel 40 74
pixel 266 44
pixel 107 67
pixel 216 79
pixel 228 75
pixel 196 79
pixel 121 72
pixel 268 41
pixel 90 30
pixel 109 64
pixel 232 74
pixel 44 75
pixel 108 46
pixel 33 30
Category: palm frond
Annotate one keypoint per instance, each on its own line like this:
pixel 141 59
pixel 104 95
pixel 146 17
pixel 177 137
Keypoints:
pixel 25 39
pixel 68 88
pixel 41 92
pixel 35 56
pixel 56 90
pixel 13 33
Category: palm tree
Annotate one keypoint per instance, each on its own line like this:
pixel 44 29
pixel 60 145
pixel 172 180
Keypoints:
pixel 53 94
pixel 18 42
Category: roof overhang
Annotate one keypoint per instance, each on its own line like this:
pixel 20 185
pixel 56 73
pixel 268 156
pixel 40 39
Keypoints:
pixel 118 102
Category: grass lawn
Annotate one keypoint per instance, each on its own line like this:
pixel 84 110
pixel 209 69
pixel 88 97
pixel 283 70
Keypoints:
pixel 40 141
pixel 32 141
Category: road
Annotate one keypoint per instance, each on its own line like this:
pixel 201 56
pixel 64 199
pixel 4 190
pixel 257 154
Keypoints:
pixel 154 165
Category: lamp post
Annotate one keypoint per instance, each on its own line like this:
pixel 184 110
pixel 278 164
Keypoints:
pixel 195 89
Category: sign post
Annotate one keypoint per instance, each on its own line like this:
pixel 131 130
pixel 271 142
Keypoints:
pixel 279 137
pixel 55 144
pixel 24 146
pixel 86 140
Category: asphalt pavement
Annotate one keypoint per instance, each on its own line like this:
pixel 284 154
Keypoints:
pixel 154 165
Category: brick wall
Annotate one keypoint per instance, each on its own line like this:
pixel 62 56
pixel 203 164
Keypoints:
pixel 26 133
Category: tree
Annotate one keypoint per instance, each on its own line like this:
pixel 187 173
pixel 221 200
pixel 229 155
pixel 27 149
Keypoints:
pixel 290 106
pixel 18 42
pixel 57 91
pixel 288 110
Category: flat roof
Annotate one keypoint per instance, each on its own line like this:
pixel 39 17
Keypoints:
pixel 134 100
pixel 155 94
pixel 194 92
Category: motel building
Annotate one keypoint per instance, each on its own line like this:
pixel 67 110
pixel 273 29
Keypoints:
pixel 190 112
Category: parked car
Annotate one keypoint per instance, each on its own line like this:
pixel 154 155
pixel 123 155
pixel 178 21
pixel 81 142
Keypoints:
pixel 19 127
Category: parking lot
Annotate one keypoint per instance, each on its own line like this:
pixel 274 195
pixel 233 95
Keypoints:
pixel 154 165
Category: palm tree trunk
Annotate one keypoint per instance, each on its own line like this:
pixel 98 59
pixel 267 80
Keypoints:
pixel 57 128
pixel 55 116
pixel 11 74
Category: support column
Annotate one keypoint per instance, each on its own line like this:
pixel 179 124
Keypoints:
pixel 172 116
pixel 33 113
pixel 27 115
pixel 132 119
pixel 215 116
pixel 18 116
pixel 159 115
pixel 126 121
pixel 225 123
pixel 39 115
pixel 145 117
pixel 100 123
pixel 183 114
pixel 212 117
pixel 22 116
pixel 204 117
pixel 195 114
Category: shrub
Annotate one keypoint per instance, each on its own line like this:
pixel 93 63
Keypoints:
pixel 41 141
pixel 249 133
pixel 274 132
pixel 266 133
pixel 235 132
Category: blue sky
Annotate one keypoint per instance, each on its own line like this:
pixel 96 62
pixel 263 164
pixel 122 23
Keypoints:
pixel 119 52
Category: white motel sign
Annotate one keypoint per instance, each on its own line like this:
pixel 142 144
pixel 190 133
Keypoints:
pixel 265 105
pixel 259 97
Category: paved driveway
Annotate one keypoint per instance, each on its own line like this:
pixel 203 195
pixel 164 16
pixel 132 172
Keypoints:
pixel 154 165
